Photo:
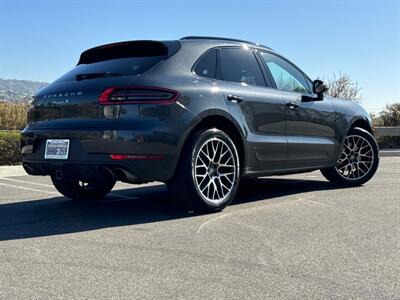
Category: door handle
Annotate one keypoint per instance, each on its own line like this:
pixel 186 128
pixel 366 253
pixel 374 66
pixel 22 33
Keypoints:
pixel 292 105
pixel 235 99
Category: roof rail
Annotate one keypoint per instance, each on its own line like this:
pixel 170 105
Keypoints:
pixel 220 39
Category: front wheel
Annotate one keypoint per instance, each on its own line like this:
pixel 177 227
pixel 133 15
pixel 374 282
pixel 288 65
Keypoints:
pixel 77 189
pixel 207 176
pixel 358 161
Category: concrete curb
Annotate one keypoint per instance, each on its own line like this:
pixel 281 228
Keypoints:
pixel 391 152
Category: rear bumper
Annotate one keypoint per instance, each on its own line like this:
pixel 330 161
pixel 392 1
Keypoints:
pixel 90 154
pixel 127 171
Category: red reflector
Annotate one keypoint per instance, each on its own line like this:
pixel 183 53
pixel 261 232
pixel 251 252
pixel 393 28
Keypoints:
pixel 137 157
pixel 138 95
pixel 118 156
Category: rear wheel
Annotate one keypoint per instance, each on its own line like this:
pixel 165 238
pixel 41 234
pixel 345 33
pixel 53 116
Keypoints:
pixel 77 189
pixel 358 161
pixel 207 177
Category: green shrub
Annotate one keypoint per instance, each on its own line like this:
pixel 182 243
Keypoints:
pixel 10 153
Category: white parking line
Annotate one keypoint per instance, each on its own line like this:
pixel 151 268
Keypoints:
pixel 223 215
pixel 116 194
pixel 28 182
pixel 29 189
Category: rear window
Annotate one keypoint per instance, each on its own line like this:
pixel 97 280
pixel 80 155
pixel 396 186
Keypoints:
pixel 121 59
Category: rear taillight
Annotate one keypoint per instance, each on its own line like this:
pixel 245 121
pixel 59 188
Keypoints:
pixel 138 94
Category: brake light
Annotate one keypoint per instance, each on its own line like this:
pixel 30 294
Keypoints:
pixel 138 94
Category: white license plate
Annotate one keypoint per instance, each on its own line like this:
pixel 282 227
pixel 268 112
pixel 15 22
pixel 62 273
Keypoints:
pixel 56 149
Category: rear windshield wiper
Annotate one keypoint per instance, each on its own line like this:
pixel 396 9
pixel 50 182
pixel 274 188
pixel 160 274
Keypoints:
pixel 84 76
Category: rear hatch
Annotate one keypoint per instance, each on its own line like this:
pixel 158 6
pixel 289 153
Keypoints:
pixel 72 101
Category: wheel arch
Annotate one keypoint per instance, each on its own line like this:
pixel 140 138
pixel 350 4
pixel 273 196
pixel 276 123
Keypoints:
pixel 358 121
pixel 224 122
pixel 361 123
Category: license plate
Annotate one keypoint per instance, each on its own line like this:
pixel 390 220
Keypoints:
pixel 56 149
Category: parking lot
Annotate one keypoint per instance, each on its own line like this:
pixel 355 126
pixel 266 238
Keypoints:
pixel 294 236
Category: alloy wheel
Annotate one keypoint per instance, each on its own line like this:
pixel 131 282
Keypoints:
pixel 215 170
pixel 356 159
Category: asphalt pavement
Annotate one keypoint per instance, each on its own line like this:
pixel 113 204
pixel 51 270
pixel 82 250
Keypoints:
pixel 288 237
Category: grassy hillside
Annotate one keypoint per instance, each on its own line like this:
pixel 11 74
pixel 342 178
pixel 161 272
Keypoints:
pixel 17 91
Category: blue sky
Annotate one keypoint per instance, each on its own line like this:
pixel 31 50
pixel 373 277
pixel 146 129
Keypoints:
pixel 41 40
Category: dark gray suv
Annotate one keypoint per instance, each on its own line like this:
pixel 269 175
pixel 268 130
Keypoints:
pixel 199 114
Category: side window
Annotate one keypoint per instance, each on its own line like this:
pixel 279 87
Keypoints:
pixel 240 65
pixel 286 76
pixel 206 66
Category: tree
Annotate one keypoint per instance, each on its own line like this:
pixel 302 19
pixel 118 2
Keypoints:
pixel 390 116
pixel 341 86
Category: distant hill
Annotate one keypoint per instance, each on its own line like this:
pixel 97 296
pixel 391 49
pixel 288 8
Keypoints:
pixel 13 90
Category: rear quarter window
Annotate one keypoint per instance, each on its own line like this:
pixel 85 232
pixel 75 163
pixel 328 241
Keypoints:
pixel 207 64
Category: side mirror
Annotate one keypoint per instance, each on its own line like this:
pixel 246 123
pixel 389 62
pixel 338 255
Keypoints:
pixel 319 88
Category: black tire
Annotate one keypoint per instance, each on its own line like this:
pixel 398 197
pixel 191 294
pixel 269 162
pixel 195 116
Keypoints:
pixel 74 188
pixel 186 191
pixel 335 176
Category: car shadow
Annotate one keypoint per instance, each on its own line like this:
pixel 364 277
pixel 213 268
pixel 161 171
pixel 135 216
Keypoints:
pixel 58 215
